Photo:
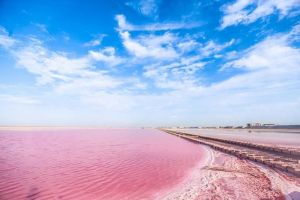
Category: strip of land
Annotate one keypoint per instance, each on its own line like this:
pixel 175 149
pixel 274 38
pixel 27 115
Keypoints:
pixel 283 158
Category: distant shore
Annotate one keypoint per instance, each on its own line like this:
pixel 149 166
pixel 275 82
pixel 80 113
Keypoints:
pixel 278 130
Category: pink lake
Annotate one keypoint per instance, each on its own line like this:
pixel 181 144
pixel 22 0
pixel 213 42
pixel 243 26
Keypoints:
pixel 93 163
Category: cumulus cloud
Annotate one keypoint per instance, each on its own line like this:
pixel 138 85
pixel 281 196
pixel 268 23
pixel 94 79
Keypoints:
pixel 248 11
pixel 275 52
pixel 64 72
pixel 50 66
pixel 154 46
pixel 269 84
pixel 174 60
pixel 68 74
pixel 271 69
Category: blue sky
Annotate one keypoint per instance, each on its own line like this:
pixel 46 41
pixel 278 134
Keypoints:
pixel 149 62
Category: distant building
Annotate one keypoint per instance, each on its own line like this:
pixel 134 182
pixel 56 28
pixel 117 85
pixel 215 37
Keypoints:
pixel 225 126
pixel 192 127
pixel 239 127
pixel 268 125
pixel 253 125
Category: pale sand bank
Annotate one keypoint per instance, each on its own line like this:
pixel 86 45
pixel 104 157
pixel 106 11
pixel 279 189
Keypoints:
pixel 226 177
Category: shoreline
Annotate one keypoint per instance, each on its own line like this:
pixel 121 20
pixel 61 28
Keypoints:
pixel 225 176
pixel 190 186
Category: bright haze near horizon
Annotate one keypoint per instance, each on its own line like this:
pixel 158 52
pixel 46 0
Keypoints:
pixel 149 62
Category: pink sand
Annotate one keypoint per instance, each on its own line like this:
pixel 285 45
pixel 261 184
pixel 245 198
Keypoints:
pixel 92 163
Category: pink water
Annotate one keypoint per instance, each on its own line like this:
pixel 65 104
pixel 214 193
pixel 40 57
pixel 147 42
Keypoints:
pixel 92 163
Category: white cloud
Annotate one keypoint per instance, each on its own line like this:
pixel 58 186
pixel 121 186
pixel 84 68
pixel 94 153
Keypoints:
pixel 106 55
pixel 159 47
pixel 123 25
pixel 5 40
pixel 95 42
pixel 272 68
pixel 148 8
pixel 267 91
pixel 177 75
pixel 49 66
pixel 187 45
pixel 295 33
pixel 212 47
pixel 171 86
pixel 162 46
pixel 274 53
pixel 248 11
pixel 69 75
pixel 66 74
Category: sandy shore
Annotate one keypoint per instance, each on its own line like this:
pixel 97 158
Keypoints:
pixel 226 177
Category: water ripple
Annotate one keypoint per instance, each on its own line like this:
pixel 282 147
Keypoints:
pixel 92 164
